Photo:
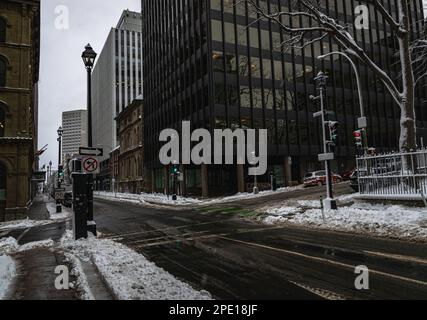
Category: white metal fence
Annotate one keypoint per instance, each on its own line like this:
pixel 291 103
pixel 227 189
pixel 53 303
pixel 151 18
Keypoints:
pixel 400 176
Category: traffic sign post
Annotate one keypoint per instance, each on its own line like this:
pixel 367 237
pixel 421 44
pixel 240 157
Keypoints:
pixel 90 165
pixel 91 152
pixel 59 194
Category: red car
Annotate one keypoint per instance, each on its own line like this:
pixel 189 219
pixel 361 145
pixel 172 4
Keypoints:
pixel 318 178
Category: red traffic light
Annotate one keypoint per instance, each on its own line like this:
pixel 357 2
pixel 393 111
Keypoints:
pixel 357 134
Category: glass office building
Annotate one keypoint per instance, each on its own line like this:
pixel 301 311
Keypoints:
pixel 214 63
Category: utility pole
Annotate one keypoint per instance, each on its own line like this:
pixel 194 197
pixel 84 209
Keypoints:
pixel 326 157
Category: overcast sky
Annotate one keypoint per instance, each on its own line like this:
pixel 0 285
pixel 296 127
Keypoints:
pixel 62 74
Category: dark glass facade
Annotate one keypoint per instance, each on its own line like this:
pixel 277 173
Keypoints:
pixel 212 62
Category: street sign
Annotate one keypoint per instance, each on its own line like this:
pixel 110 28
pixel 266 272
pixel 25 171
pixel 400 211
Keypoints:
pixel 180 177
pixel 317 114
pixel 326 157
pixel 92 152
pixel 59 193
pixel 362 122
pixel 91 165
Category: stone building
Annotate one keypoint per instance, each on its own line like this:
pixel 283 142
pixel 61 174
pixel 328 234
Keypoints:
pixel 19 69
pixel 131 157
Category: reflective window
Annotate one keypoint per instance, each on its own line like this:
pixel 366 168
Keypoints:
pixel 2 122
pixel 3 26
pixel 3 67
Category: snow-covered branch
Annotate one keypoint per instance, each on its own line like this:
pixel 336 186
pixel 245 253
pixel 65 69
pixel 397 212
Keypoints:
pixel 306 23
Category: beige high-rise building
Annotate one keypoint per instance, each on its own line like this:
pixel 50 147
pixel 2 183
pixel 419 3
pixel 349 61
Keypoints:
pixel 74 124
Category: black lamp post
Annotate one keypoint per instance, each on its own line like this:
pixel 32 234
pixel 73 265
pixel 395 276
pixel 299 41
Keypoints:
pixel 89 56
pixel 60 133
pixel 58 201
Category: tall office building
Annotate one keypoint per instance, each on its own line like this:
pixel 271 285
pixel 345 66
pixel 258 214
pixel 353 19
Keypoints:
pixel 214 63
pixel 116 79
pixel 74 124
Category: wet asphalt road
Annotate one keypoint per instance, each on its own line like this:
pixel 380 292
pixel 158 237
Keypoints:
pixel 236 258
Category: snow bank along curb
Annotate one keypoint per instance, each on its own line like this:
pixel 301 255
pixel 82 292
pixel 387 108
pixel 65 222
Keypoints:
pixel 393 221
pixel 161 199
pixel 129 274
pixel 7 273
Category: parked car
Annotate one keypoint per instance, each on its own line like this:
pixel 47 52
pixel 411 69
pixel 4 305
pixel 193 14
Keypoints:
pixel 318 178
pixel 346 176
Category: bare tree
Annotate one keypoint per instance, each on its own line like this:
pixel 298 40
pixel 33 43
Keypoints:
pixel 317 25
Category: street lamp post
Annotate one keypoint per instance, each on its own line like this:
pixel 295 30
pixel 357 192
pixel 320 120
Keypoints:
pixel 58 201
pixel 362 121
pixel 89 56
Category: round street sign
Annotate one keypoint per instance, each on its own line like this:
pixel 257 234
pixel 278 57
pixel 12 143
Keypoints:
pixel 90 165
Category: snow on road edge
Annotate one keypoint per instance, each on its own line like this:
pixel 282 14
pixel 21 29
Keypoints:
pixel 7 273
pixel 161 199
pixel 394 221
pixel 129 274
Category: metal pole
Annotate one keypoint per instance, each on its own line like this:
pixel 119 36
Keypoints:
pixel 325 146
pixel 89 107
pixel 359 90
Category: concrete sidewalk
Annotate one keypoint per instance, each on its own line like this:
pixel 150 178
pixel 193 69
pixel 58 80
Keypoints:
pixel 36 276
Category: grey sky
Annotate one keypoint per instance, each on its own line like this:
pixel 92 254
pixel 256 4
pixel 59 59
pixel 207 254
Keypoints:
pixel 62 74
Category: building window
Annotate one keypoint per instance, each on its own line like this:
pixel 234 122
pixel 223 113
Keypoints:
pixel 3 182
pixel 2 122
pixel 3 26
pixel 3 67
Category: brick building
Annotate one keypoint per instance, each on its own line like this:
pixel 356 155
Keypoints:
pixel 19 69
pixel 131 157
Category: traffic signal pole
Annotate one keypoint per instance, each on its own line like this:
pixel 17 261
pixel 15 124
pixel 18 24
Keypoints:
pixel 329 202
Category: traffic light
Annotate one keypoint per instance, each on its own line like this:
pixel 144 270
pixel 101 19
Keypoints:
pixel 61 172
pixel 175 169
pixel 333 129
pixel 358 139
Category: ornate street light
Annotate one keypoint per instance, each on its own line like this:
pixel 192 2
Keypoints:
pixel 89 56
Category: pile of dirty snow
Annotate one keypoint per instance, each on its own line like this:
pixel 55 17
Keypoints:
pixel 383 220
pixel 130 275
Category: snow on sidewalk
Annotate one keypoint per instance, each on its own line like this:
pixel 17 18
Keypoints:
pixel 394 221
pixel 8 247
pixel 130 275
pixel 7 273
pixel 64 215
pixel 22 224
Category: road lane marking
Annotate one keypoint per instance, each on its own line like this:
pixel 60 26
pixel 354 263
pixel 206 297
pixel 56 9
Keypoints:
pixel 341 264
pixel 112 237
pixel 324 294
pixel 22 235
pixel 218 235
pixel 177 236
pixel 398 257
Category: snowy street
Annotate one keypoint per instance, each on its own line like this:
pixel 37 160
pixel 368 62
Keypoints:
pixel 229 248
